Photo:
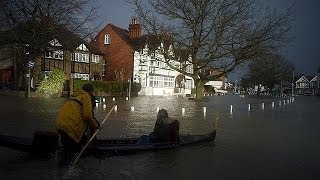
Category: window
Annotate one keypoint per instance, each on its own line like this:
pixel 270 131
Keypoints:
pixel 48 55
pixel 168 82
pixel 54 54
pixel 104 66
pixel 107 39
pixel 80 76
pixel 188 84
pixel 95 58
pixel 81 57
pixel 157 82
pixel 58 54
pixel 152 70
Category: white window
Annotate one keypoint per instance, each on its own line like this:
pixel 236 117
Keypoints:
pixel 79 57
pixel 152 70
pixel 54 54
pixel 168 82
pixel 188 84
pixel 81 76
pixel 104 66
pixel 58 54
pixel 95 58
pixel 49 54
pixel 107 39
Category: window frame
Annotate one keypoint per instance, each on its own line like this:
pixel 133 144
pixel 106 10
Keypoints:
pixel 107 39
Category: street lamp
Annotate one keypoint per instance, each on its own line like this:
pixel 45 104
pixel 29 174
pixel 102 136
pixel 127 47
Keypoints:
pixel 30 65
pixel 292 83
pixel 129 80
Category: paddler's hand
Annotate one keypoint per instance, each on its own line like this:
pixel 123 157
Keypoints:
pixel 99 126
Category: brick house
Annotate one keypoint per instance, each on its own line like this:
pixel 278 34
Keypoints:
pixel 138 58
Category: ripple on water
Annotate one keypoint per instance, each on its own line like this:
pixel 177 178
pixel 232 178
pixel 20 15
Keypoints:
pixel 260 144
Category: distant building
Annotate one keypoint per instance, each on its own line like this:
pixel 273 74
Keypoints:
pixel 65 51
pixel 218 84
pixel 307 85
pixel 132 56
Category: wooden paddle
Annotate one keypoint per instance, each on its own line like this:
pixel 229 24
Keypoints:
pixel 92 137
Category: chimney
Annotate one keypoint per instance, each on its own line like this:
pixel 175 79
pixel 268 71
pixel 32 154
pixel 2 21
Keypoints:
pixel 134 28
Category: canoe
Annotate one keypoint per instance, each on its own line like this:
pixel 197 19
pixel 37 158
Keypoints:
pixel 44 143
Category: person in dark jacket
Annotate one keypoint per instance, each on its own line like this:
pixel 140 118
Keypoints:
pixel 73 119
pixel 165 130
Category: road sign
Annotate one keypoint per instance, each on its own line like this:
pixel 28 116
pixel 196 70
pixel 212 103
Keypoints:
pixel 30 64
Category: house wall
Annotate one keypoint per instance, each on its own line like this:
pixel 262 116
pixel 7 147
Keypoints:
pixel 8 54
pixel 47 64
pixel 151 71
pixel 156 77
pixel 118 54
pixel 96 68
pixel 216 84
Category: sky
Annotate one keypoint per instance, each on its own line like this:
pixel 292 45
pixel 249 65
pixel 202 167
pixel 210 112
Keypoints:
pixel 304 52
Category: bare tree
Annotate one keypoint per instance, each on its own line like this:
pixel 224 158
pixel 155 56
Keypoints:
pixel 29 25
pixel 271 70
pixel 35 22
pixel 218 34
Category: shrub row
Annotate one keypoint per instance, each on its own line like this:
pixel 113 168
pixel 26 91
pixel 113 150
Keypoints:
pixel 108 87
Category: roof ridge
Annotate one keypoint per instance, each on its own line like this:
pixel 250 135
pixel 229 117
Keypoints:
pixel 112 25
pixel 122 33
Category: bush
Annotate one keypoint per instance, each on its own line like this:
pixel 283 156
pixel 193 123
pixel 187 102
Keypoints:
pixel 109 87
pixel 135 87
pixel 52 84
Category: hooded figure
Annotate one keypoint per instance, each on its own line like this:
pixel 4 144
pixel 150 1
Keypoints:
pixel 166 129
pixel 73 119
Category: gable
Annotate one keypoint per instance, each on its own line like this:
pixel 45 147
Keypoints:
pixel 82 47
pixel 122 34
pixel 55 42
pixel 315 79
pixel 302 79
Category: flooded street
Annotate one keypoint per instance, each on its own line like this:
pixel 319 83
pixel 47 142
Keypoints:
pixel 280 142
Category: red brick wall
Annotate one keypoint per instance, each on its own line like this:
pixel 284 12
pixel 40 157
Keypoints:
pixel 118 53
pixel 6 75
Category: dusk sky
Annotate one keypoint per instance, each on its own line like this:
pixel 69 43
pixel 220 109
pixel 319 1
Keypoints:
pixel 304 53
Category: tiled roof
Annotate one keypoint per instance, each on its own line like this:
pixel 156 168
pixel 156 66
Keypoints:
pixel 68 39
pixel 153 41
pixel 123 33
pixel 71 41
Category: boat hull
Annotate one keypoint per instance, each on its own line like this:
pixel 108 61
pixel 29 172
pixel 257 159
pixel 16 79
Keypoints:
pixel 121 146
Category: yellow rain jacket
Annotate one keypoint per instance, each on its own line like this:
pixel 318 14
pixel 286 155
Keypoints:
pixel 75 115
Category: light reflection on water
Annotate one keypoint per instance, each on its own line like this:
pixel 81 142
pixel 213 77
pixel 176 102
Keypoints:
pixel 274 143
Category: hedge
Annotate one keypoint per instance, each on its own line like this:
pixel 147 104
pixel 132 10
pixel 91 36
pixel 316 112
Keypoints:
pixel 108 87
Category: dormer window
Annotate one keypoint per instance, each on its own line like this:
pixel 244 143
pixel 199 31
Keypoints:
pixel 107 39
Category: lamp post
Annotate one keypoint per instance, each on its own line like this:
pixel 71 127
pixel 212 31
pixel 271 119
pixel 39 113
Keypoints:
pixel 129 94
pixel 30 65
pixel 292 83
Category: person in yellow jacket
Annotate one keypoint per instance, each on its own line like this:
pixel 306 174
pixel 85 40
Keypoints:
pixel 73 119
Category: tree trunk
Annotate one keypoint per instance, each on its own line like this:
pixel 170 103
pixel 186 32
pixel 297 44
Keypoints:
pixel 199 89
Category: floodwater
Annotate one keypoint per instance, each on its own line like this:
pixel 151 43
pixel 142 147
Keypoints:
pixel 280 142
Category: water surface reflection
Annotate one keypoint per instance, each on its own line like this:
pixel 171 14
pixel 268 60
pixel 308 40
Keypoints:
pixel 269 143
